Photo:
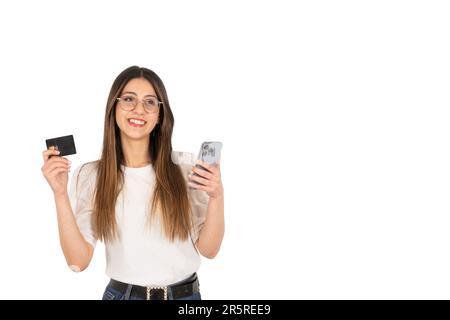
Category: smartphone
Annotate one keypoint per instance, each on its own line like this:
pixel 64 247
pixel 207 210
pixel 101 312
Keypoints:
pixel 209 153
pixel 65 145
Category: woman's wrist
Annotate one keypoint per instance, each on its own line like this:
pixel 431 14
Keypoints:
pixel 60 195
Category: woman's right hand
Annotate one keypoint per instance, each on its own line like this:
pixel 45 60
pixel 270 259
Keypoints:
pixel 56 170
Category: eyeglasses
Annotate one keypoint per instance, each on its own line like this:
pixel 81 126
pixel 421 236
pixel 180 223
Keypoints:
pixel 128 102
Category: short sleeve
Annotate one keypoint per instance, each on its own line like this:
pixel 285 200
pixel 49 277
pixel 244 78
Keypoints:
pixel 198 199
pixel 81 196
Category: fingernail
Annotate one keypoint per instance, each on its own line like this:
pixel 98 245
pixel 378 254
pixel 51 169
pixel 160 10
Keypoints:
pixel 58 152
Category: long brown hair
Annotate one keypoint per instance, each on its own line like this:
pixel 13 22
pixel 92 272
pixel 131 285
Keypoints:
pixel 170 198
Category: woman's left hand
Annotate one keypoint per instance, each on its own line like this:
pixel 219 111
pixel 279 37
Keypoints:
pixel 212 181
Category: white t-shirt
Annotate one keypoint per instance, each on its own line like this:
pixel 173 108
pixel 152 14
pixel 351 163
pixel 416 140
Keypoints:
pixel 141 255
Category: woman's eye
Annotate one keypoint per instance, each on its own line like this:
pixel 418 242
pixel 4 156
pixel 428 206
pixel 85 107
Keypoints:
pixel 128 99
pixel 150 102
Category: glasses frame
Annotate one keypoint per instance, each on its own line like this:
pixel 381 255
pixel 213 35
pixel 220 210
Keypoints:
pixel 119 100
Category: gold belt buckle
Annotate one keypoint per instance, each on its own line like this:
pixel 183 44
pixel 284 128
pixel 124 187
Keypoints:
pixel 149 292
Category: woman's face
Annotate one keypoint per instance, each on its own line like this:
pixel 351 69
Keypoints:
pixel 138 123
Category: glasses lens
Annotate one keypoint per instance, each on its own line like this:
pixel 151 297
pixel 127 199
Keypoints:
pixel 128 102
pixel 151 104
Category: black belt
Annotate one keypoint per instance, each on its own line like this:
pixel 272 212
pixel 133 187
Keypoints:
pixel 180 289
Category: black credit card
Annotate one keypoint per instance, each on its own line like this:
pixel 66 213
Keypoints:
pixel 64 144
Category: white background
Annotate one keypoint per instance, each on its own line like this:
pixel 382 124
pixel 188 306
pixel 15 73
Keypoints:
pixel 334 117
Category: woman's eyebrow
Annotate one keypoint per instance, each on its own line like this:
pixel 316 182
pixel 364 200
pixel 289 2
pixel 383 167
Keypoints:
pixel 135 94
pixel 129 92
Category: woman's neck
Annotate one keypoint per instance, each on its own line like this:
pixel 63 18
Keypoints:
pixel 136 152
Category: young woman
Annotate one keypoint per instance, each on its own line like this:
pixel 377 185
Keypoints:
pixel 152 213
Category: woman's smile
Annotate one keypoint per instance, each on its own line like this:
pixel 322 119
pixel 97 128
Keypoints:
pixel 138 123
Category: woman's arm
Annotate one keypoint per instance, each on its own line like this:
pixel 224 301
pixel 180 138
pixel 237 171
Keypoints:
pixel 211 235
pixel 76 249
pixel 212 232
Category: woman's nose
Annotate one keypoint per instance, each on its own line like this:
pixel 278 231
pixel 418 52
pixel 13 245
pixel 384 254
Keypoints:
pixel 140 107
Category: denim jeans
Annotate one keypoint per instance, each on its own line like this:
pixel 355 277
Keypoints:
pixel 112 294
